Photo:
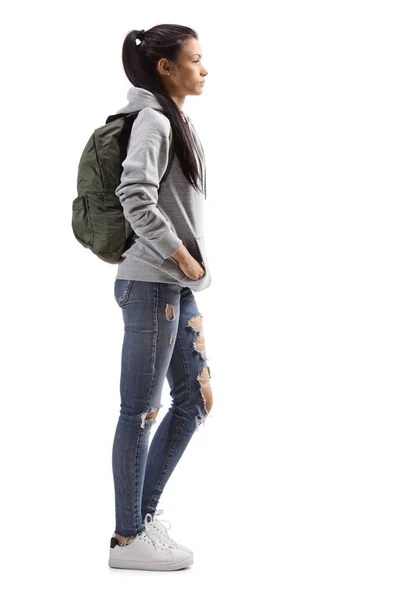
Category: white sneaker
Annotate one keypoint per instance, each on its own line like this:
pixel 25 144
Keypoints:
pixel 147 552
pixel 159 530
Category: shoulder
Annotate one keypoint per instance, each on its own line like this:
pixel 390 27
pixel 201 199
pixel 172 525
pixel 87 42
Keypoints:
pixel 152 122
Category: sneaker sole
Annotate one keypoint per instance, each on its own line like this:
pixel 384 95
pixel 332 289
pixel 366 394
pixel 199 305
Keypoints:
pixel 118 563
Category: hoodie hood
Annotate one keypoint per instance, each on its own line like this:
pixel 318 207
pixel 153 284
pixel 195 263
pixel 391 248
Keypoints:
pixel 139 98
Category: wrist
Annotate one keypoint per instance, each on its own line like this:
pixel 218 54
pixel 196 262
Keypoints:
pixel 181 255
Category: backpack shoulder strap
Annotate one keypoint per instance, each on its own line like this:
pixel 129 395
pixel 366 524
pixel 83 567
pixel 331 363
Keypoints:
pixel 129 119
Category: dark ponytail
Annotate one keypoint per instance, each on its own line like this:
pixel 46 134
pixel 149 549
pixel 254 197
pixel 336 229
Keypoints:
pixel 140 64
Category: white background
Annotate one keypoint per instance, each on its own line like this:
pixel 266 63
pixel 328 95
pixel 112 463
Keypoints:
pixel 291 489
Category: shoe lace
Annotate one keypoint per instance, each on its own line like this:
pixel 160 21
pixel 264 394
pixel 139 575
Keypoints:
pixel 157 522
pixel 157 543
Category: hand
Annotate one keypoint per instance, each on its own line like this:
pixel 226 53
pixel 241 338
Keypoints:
pixel 191 268
pixel 188 264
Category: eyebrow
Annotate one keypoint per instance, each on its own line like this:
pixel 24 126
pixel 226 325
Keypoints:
pixel 196 54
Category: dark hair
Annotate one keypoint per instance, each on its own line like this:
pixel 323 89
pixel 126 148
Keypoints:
pixel 140 64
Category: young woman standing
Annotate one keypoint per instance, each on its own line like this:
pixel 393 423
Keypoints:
pixel 154 285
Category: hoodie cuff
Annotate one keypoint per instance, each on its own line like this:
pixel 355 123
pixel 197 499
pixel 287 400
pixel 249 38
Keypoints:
pixel 168 243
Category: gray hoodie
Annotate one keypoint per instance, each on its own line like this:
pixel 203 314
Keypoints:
pixel 163 218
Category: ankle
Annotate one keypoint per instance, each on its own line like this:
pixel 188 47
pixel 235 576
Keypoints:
pixel 123 539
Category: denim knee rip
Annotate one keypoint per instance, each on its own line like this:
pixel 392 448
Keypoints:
pixel 201 418
pixel 144 415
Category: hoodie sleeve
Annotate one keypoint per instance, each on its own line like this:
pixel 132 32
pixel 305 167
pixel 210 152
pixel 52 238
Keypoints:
pixel 145 164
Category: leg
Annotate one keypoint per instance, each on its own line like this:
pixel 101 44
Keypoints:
pixel 146 354
pixel 204 378
pixel 189 379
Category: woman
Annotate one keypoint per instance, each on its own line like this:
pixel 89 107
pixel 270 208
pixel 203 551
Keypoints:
pixel 154 287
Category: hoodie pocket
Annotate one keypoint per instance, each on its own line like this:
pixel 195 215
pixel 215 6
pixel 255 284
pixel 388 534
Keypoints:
pixel 199 254
pixel 171 266
pixel 202 253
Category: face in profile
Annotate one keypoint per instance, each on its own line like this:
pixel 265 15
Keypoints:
pixel 187 76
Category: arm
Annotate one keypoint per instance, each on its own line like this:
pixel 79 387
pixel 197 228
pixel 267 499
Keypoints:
pixel 145 163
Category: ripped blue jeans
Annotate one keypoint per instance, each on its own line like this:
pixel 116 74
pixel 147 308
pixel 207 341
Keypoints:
pixel 162 327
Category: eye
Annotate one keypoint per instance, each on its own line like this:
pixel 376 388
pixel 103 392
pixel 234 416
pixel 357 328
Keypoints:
pixel 196 61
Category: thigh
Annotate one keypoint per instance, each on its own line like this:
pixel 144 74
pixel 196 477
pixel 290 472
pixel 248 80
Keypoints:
pixel 190 329
pixel 189 373
pixel 151 315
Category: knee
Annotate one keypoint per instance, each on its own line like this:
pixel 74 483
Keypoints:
pixel 153 414
pixel 204 378
pixel 148 416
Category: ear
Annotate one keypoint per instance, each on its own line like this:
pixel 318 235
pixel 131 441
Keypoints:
pixel 163 66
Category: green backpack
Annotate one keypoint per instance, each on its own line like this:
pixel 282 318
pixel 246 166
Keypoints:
pixel 98 221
